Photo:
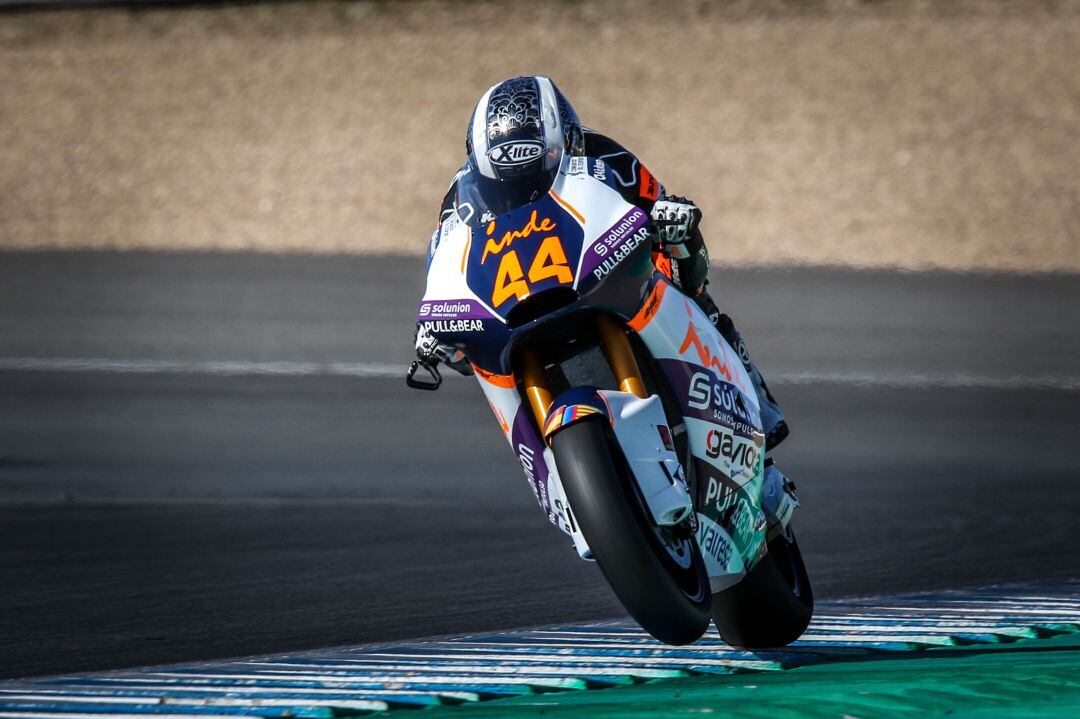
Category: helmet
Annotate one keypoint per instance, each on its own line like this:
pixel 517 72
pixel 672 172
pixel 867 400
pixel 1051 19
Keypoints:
pixel 517 136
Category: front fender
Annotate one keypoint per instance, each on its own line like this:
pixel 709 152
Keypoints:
pixel 641 430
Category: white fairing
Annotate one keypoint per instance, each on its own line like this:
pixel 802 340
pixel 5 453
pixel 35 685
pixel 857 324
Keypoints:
pixel 680 331
pixel 636 423
pixel 445 279
pixel 611 224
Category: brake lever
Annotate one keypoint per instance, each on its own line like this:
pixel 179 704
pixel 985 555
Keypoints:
pixel 433 370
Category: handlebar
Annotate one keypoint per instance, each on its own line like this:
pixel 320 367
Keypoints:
pixel 433 370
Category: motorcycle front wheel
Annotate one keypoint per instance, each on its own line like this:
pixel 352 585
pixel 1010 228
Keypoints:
pixel 656 572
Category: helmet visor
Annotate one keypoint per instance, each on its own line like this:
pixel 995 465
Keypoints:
pixel 519 184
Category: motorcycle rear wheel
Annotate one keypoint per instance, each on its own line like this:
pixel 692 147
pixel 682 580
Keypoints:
pixel 659 577
pixel 771 606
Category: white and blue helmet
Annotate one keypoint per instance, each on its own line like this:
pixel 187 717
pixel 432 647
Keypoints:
pixel 518 134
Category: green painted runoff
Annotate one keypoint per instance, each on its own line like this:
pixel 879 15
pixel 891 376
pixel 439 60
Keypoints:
pixel 1032 679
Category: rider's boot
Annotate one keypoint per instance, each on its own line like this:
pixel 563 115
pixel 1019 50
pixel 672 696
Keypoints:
pixel 772 416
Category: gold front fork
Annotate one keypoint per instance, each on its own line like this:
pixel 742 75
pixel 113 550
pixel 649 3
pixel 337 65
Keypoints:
pixel 617 351
pixel 536 388
pixel 620 356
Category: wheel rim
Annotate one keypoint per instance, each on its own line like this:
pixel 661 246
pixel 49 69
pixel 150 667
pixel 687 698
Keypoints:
pixel 675 553
pixel 678 549
pixel 677 556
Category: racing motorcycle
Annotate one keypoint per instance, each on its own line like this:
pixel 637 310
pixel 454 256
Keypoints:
pixel 634 421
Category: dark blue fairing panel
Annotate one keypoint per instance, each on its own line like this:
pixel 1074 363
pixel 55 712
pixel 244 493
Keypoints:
pixel 522 253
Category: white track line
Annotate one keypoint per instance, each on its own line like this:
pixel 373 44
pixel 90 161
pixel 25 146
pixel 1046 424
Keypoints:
pixel 74 698
pixel 387 678
pixel 555 658
pixel 223 368
pixel 234 368
pixel 421 670
pixel 932 381
pixel 34 714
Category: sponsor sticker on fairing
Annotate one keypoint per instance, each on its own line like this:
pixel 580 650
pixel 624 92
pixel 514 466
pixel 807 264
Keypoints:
pixel 452 310
pixel 742 522
pixel 527 459
pixel 621 253
pixel 632 222
pixel 741 453
pixel 707 392
pixel 719 493
pixel 615 245
pixel 712 540
pixel 436 326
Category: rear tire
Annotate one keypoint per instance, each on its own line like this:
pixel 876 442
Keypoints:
pixel 660 579
pixel 772 605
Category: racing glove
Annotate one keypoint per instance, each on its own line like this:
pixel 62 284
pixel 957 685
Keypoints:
pixel 430 352
pixel 676 220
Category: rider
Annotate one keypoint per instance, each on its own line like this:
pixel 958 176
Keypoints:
pixel 512 111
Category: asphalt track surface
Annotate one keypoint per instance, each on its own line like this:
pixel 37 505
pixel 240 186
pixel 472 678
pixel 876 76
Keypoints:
pixel 153 517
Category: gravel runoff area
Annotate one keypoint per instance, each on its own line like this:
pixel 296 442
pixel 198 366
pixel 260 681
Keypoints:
pixel 897 134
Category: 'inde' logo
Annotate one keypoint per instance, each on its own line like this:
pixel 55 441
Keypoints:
pixel 510 154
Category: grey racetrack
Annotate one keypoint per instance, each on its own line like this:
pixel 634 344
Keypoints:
pixel 169 516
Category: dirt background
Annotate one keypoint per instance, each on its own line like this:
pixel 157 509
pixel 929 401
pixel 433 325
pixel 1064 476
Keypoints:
pixel 847 133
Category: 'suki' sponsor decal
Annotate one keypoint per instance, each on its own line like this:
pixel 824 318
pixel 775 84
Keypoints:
pixel 712 400
pixel 707 392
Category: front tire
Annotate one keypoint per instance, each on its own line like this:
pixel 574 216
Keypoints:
pixel 771 606
pixel 659 577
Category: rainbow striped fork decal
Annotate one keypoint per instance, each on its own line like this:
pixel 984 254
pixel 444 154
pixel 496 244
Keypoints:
pixel 567 414
pixel 479 667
